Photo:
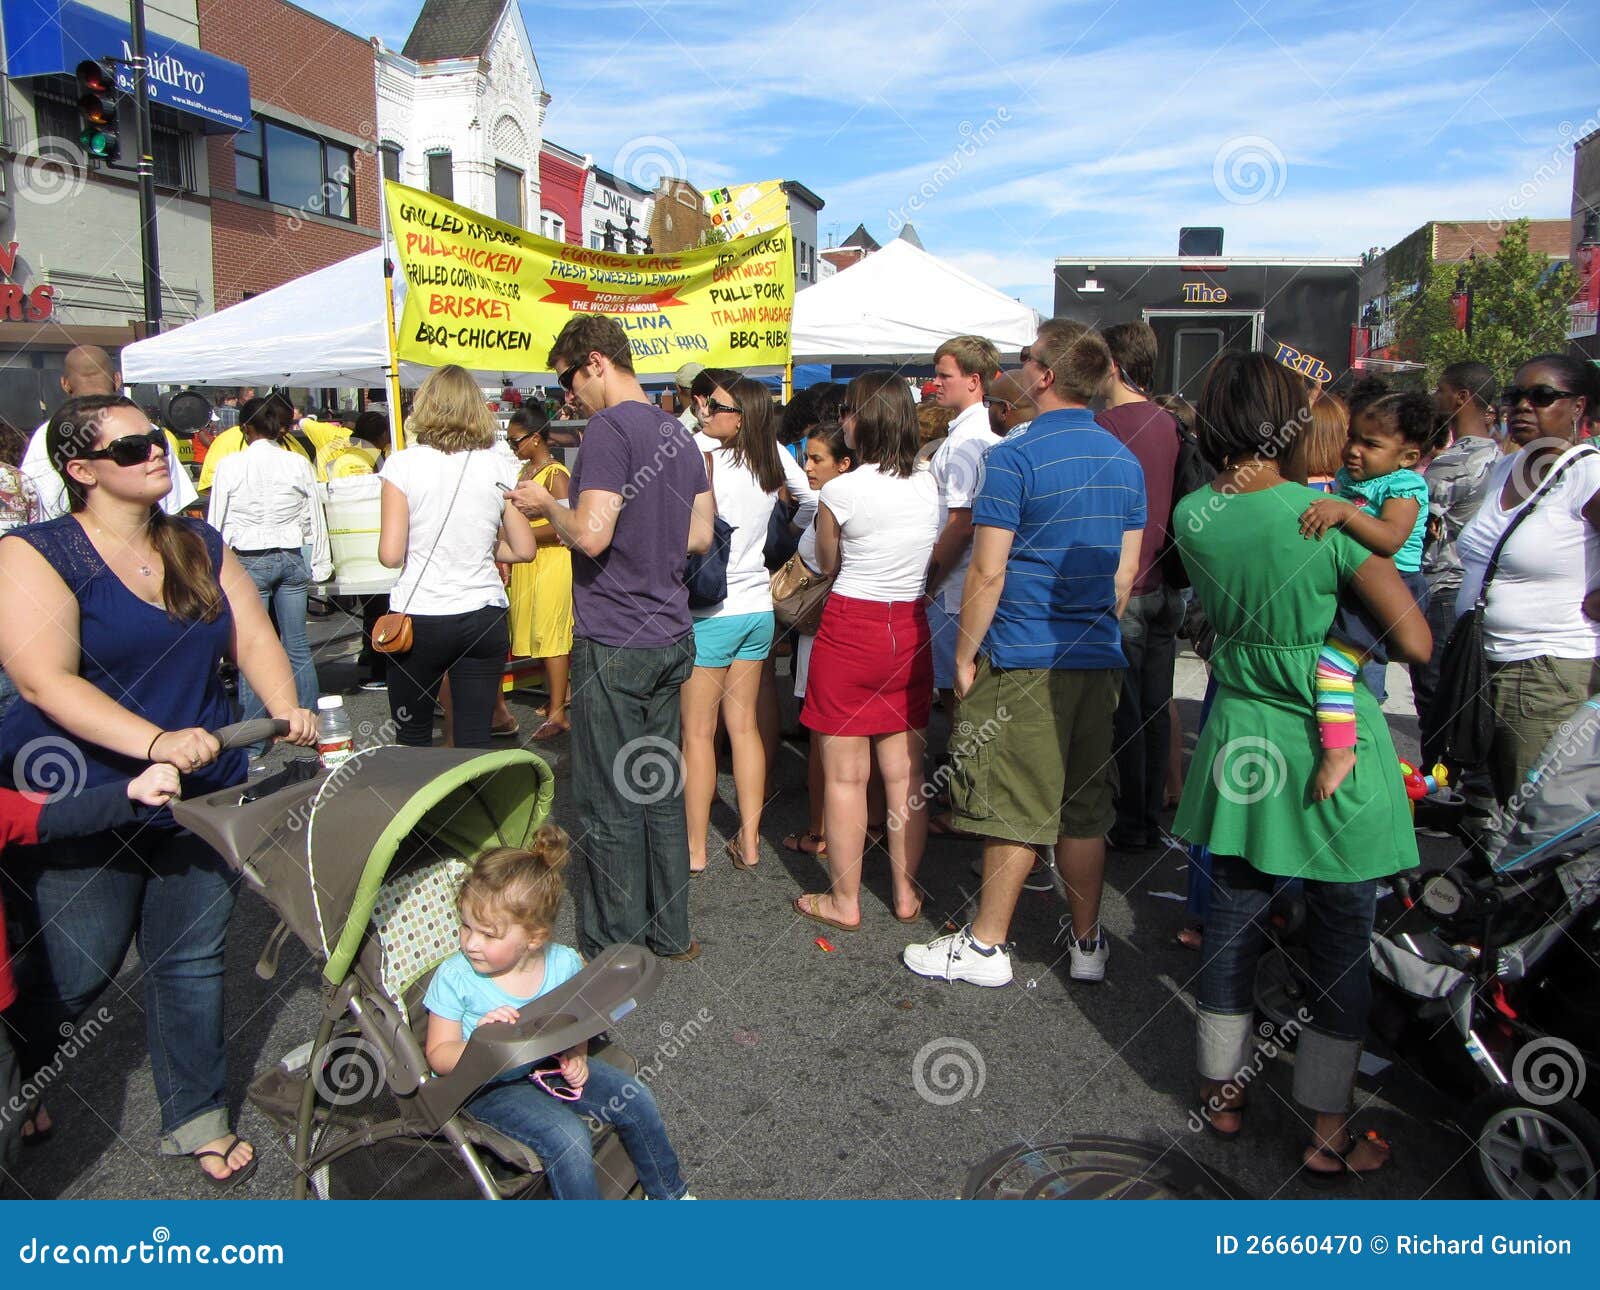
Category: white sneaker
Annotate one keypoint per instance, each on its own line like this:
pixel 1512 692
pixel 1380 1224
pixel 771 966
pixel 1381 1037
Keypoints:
pixel 957 957
pixel 1089 958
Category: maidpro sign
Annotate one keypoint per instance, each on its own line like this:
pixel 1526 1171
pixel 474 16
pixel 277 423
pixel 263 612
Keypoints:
pixel 47 37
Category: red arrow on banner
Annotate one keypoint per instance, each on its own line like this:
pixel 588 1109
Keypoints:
pixel 587 300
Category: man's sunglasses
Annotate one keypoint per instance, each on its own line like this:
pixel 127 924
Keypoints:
pixel 567 377
pixel 1540 396
pixel 715 407
pixel 130 450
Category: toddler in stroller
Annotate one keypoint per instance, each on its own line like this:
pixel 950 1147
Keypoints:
pixel 508 905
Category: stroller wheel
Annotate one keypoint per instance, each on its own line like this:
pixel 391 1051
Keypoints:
pixel 1280 994
pixel 1525 1152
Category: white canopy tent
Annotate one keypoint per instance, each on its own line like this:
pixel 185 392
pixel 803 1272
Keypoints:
pixel 900 304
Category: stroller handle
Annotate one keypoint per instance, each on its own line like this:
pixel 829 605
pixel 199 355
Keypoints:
pixel 241 734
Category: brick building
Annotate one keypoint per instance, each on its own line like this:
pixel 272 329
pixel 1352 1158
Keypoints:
pixel 1582 331
pixel 298 189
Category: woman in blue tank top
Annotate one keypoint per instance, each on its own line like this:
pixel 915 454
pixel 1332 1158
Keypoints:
pixel 117 618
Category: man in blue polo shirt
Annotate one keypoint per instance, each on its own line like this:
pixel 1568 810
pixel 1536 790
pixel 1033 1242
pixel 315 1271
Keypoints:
pixel 1057 525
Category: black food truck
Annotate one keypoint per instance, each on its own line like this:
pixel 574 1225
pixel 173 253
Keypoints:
pixel 1299 311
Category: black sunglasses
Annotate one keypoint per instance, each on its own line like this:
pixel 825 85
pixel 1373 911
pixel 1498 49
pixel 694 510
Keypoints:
pixel 567 377
pixel 1540 396
pixel 721 407
pixel 130 450
pixel 516 441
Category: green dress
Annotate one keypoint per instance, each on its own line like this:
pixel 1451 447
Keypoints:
pixel 1271 595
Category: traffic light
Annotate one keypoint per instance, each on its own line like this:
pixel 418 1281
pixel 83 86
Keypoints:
pixel 97 109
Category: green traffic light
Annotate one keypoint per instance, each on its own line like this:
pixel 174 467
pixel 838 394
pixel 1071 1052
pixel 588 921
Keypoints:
pixel 100 144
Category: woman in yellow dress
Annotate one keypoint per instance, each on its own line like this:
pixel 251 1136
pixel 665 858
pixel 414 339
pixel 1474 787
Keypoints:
pixel 541 592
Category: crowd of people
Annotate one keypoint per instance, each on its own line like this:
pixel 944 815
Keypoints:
pixel 1023 548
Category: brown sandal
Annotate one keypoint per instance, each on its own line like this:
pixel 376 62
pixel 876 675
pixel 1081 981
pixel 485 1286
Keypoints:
pixel 234 1177
pixel 797 842
pixel 801 908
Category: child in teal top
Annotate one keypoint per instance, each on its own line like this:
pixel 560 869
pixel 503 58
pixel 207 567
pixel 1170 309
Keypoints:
pixel 1383 504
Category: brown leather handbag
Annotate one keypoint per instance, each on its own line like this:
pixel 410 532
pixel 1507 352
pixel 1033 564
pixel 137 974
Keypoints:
pixel 393 632
pixel 799 596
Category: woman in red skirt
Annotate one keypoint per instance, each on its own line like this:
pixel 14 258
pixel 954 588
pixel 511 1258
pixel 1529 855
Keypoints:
pixel 871 679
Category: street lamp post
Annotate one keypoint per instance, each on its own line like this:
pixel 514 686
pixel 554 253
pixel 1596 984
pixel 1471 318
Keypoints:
pixel 149 246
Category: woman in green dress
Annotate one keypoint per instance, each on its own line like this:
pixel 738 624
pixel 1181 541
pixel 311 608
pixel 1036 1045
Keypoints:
pixel 1270 594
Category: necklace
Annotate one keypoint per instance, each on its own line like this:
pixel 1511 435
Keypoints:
pixel 143 567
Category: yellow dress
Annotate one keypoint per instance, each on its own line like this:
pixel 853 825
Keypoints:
pixel 541 593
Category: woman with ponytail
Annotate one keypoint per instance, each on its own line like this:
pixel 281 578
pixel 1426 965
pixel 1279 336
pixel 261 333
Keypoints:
pixel 120 616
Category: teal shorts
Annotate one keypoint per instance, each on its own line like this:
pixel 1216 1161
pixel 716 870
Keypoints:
pixel 718 641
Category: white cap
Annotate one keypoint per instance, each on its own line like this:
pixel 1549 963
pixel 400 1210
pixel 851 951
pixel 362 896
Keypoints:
pixel 328 702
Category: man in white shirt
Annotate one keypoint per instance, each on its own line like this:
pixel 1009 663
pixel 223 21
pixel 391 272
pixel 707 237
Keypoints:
pixel 962 370
pixel 683 380
pixel 88 369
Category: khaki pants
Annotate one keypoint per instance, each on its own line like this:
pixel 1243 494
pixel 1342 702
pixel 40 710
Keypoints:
pixel 1531 698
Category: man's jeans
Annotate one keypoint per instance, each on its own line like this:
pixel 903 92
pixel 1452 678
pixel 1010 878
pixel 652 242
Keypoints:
pixel 1334 1023
pixel 1141 732
pixel 556 1129
pixel 627 781
pixel 284 582
pixel 81 905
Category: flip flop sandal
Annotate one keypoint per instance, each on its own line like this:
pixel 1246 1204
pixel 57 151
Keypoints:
pixel 737 856
pixel 1328 1179
pixel 547 731
pixel 796 842
pixel 800 908
pixel 1205 1111
pixel 243 1174
pixel 915 918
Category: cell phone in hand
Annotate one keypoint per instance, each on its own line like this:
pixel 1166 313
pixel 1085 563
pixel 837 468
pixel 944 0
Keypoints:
pixel 503 487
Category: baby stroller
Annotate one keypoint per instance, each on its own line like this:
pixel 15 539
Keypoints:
pixel 1489 971
pixel 362 864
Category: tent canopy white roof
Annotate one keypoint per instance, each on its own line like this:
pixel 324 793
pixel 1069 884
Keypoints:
pixel 901 304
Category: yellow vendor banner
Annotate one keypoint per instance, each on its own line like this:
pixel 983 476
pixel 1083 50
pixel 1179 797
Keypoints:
pixel 493 297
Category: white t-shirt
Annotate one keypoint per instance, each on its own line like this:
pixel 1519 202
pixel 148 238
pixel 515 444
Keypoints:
pixel 461 575
pixel 958 470
pixel 52 493
pixel 741 501
pixel 888 526
pixel 1552 562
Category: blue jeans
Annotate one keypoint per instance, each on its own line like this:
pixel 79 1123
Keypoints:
pixel 1141 729
pixel 283 580
pixel 555 1129
pixel 1338 930
pixel 82 903
pixel 627 785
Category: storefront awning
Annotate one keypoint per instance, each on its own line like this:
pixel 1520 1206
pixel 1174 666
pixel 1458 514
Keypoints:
pixel 51 37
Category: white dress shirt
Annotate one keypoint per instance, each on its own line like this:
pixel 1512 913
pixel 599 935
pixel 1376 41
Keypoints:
pixel 265 499
pixel 52 493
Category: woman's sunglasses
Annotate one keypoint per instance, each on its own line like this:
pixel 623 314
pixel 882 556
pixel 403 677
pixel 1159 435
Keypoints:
pixel 130 450
pixel 715 407
pixel 1540 396
pixel 550 1079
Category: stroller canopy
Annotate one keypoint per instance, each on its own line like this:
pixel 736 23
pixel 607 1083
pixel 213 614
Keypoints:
pixel 320 851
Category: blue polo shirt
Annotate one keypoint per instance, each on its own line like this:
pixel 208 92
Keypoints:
pixel 1069 491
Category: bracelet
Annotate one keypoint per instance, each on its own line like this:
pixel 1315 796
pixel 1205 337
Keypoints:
pixel 151 749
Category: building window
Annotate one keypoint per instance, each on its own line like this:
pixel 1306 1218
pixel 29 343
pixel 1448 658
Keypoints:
pixel 441 174
pixel 390 153
pixel 170 148
pixel 597 241
pixel 508 195
pixel 552 226
pixel 292 168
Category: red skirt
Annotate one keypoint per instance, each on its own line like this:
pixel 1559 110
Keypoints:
pixel 871 669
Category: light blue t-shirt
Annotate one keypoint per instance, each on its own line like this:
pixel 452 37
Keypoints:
pixel 459 993
pixel 1068 491
pixel 1371 494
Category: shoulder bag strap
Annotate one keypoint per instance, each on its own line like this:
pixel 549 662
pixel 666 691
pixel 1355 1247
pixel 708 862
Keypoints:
pixel 428 559
pixel 1542 491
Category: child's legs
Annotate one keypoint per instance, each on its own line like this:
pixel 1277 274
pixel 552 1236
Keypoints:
pixel 522 1110
pixel 1351 646
pixel 614 1098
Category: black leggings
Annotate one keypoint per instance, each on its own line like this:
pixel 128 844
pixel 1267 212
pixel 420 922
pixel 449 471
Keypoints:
pixel 471 650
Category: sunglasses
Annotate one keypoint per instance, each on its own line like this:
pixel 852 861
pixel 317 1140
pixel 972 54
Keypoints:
pixel 721 407
pixel 130 450
pixel 1540 396
pixel 550 1079
pixel 516 441
pixel 567 377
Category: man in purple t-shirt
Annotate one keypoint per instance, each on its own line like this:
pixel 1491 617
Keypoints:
pixel 639 506
pixel 1150 624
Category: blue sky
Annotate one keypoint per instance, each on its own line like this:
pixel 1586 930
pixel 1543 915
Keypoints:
pixel 1011 132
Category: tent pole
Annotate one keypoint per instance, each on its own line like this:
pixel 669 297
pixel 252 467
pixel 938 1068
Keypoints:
pixel 788 381
pixel 391 373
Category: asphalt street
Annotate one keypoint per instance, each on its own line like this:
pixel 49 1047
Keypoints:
pixel 788 1070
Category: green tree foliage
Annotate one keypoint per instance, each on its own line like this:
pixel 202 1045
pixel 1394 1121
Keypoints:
pixel 1519 308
